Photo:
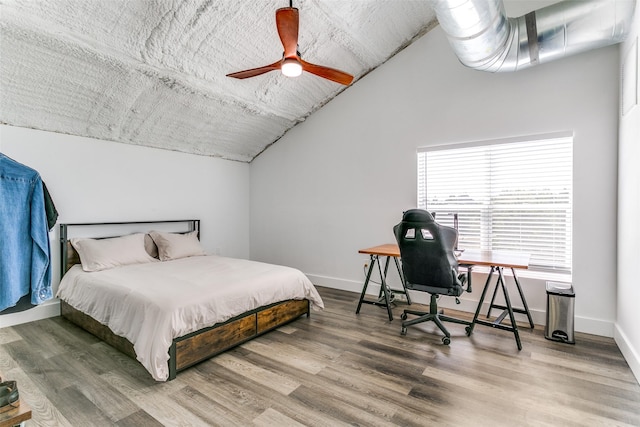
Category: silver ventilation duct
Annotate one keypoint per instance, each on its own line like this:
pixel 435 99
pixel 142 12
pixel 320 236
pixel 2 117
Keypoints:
pixel 484 38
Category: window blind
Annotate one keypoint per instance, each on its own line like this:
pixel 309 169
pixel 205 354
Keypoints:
pixel 512 195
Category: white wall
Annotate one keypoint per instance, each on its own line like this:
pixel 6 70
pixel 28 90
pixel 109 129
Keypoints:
pixel 627 332
pixel 339 181
pixel 99 181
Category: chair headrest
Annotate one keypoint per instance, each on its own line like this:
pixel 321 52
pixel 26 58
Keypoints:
pixel 417 215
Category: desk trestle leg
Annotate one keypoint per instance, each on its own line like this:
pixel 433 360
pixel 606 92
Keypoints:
pixel 384 297
pixel 386 294
pixel 524 301
pixel 507 308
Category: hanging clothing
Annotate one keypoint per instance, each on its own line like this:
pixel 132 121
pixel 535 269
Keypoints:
pixel 25 255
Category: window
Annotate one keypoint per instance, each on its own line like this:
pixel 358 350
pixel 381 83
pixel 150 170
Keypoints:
pixel 511 194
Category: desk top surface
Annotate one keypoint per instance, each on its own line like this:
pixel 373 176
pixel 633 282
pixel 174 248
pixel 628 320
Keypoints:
pixel 468 256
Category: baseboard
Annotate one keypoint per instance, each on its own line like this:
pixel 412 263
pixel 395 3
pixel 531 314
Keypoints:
pixel 592 326
pixel 43 311
pixel 341 284
pixel 628 351
pixel 581 324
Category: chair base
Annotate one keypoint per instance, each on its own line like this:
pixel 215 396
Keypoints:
pixel 432 316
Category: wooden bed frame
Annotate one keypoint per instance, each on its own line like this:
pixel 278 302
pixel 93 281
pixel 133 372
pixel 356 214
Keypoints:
pixel 187 350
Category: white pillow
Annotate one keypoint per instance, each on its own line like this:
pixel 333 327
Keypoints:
pixel 176 245
pixel 101 254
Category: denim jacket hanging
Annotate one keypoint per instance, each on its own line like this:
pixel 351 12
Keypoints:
pixel 25 261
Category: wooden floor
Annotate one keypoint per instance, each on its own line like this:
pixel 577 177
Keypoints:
pixel 332 369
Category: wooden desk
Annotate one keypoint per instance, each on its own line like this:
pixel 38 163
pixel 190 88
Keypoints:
pixel 469 258
pixel 15 416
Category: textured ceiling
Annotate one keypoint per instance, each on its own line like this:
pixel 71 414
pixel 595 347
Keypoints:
pixel 152 73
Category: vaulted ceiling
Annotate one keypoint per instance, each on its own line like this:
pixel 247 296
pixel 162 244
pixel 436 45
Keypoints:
pixel 153 72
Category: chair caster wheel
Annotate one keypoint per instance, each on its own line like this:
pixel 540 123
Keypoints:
pixel 403 316
pixel 468 330
pixel 446 341
pixel 403 331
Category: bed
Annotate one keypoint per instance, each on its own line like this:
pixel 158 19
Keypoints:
pixel 173 306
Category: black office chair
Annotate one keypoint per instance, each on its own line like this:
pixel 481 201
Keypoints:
pixel 429 265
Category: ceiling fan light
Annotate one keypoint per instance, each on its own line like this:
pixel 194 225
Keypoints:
pixel 291 67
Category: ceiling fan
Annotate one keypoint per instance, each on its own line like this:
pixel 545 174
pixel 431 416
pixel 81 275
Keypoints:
pixel 291 64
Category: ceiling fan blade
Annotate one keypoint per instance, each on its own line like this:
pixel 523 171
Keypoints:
pixel 327 73
pixel 255 71
pixel 287 21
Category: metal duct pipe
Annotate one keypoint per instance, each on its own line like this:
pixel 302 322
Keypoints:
pixel 484 38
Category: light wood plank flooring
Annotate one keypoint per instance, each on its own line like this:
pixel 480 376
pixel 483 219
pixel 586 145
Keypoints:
pixel 334 368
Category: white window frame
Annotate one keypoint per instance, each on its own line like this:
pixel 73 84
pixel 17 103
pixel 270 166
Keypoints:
pixel 541 263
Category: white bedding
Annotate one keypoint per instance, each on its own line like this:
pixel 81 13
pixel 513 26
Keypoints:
pixel 150 304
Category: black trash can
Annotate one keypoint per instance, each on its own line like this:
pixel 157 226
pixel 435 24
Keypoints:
pixel 560 312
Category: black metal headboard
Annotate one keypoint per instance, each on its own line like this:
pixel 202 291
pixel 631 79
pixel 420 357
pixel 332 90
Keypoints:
pixel 68 255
